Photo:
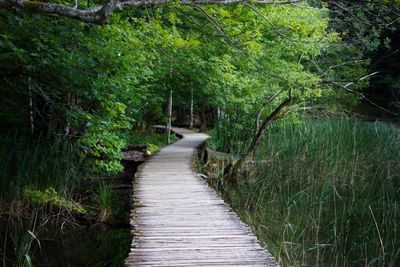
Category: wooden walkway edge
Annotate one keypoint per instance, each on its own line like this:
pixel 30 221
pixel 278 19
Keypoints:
pixel 178 220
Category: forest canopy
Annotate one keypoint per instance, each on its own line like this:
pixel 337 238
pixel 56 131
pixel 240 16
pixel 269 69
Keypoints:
pixel 86 83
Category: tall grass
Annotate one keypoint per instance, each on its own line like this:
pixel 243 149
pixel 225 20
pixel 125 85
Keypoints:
pixel 104 199
pixel 22 240
pixel 326 193
pixel 36 163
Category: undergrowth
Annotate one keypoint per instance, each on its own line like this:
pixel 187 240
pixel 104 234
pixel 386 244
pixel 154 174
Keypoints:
pixel 40 188
pixel 36 163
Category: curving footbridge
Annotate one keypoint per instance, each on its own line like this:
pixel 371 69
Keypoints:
pixel 178 220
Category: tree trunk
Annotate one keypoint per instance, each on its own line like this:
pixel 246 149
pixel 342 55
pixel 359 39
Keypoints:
pixel 30 105
pixel 191 107
pixel 169 117
pixel 51 125
pixel 180 119
pixel 203 121
pixel 258 118
pixel 218 122
pixel 233 173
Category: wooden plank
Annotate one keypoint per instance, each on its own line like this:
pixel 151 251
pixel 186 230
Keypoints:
pixel 178 220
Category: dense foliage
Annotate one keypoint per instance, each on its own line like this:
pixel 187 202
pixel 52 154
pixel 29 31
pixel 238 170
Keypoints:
pixel 86 83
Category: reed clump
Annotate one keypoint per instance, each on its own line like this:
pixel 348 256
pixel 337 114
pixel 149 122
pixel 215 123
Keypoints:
pixel 325 193
pixel 104 199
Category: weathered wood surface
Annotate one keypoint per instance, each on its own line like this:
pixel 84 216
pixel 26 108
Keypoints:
pixel 178 220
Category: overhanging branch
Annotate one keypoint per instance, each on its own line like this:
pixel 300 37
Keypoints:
pixel 99 15
pixel 351 82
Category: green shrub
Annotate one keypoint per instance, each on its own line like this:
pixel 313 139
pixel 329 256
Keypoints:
pixel 102 144
pixel 153 148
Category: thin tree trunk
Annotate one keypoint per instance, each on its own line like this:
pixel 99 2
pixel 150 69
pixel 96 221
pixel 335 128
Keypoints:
pixel 30 105
pixel 169 117
pixel 203 121
pixel 218 122
pixel 232 175
pixel 191 107
pixel 258 118
pixel 69 104
pixel 169 108
pixel 180 116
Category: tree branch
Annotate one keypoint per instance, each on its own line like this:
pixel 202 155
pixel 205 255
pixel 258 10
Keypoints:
pixel 231 176
pixel 99 15
pixel 365 98
pixel 270 99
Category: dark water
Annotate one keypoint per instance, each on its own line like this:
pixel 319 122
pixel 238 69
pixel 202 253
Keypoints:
pixel 90 244
pixel 98 246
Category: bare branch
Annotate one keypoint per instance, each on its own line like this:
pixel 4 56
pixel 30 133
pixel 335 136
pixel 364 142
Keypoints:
pixel 347 89
pixel 341 65
pixel 99 15
pixel 350 82
pixel 361 79
pixel 90 15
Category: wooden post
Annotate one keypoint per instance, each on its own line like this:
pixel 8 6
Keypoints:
pixel 191 107
pixel 169 117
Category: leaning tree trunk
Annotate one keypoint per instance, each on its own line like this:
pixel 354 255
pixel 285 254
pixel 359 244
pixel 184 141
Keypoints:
pixel 231 176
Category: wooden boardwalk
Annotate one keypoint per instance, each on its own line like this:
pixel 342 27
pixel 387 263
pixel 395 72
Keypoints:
pixel 178 220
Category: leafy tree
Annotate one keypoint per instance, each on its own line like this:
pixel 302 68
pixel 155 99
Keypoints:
pixel 79 83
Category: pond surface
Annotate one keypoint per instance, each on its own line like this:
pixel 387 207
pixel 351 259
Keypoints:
pixel 87 244
pixel 96 246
